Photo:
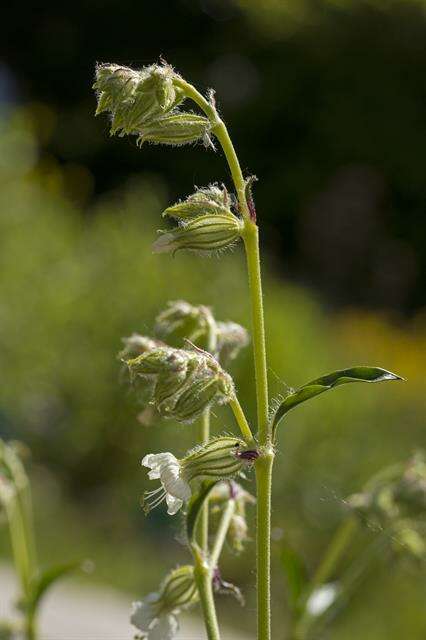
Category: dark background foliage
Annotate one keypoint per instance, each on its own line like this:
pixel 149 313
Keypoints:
pixel 327 108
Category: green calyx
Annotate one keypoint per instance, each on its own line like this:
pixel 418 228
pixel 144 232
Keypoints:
pixel 205 234
pixel 185 382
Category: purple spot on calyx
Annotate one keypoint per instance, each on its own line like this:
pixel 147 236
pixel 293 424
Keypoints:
pixel 250 454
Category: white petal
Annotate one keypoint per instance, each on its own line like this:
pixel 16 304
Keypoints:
pixel 322 598
pixel 179 489
pixel 173 504
pixel 165 628
pixel 144 613
pixel 155 460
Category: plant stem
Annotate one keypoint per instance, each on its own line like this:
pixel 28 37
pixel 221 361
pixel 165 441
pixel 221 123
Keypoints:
pixel 219 129
pixel 251 241
pixel 203 523
pixel 265 462
pixel 221 533
pixel 242 421
pixel 263 543
pixel 203 579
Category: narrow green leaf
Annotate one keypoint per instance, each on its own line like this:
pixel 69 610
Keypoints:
pixel 335 379
pixel 49 577
pixel 297 577
pixel 194 507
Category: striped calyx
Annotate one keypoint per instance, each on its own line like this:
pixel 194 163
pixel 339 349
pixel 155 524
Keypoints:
pixel 210 233
pixel 221 457
pixel 185 382
pixel 156 615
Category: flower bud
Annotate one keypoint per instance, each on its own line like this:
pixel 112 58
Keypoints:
pixel 175 129
pixel 115 85
pixel 186 382
pixel 137 344
pixel 208 200
pixel 136 97
pixel 205 234
pixel 220 496
pixel 219 458
pixel 231 338
pixel 183 321
pixel 156 615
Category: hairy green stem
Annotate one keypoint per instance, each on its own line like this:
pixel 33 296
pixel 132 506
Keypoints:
pixel 242 421
pixel 203 580
pixel 263 543
pixel 265 462
pixel 203 523
pixel 251 241
pixel 219 129
pixel 221 533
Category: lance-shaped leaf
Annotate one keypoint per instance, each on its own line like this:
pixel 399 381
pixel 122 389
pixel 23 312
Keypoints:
pixel 194 508
pixel 50 576
pixel 329 381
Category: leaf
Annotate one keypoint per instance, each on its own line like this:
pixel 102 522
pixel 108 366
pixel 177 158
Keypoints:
pixel 335 379
pixel 194 507
pixel 296 575
pixel 49 577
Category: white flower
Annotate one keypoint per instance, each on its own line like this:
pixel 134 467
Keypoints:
pixel 322 598
pixel 146 617
pixel 174 488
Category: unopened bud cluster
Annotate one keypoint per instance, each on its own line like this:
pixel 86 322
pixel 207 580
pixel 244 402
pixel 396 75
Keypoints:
pixel 144 103
pixel 186 382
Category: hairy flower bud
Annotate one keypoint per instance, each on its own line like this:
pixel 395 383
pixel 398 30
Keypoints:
pixel 231 338
pixel 137 344
pixel 175 129
pixel 186 382
pixel 205 234
pixel 183 321
pixel 156 615
pixel 219 497
pixel 208 200
pixel 221 457
pixel 135 97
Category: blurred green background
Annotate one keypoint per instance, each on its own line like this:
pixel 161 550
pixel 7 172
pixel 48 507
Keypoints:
pixel 325 101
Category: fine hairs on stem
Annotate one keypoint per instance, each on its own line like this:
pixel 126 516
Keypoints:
pixel 181 372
